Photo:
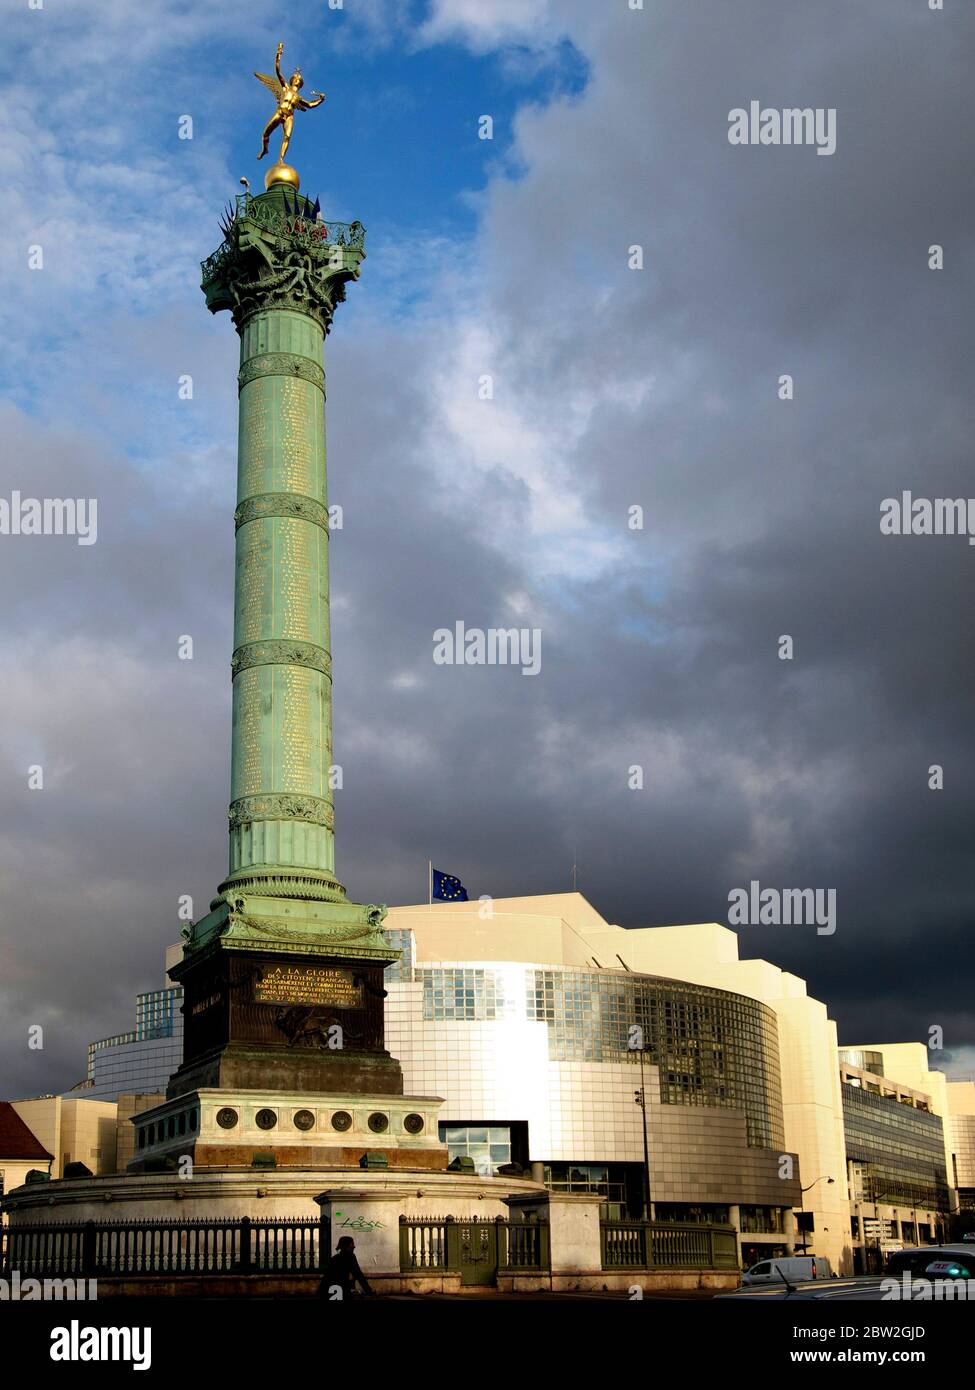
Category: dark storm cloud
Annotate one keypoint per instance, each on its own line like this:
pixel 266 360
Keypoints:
pixel 615 387
pixel 762 516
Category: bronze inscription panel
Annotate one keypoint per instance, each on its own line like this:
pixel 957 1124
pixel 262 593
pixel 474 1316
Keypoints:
pixel 307 984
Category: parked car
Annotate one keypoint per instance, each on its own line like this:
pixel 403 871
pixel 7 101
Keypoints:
pixel 923 1261
pixel 917 1259
pixel 819 1290
pixel 787 1269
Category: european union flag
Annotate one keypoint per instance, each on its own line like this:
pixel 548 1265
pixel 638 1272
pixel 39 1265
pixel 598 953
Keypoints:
pixel 447 889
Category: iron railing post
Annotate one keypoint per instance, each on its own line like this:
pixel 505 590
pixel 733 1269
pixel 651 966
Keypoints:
pixel 88 1246
pixel 245 1254
pixel 452 1242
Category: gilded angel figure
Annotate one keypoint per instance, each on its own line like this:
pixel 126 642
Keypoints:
pixel 288 96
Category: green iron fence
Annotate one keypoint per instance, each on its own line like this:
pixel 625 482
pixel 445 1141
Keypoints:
pixel 524 1246
pixel 478 1248
pixel 439 1244
pixel 103 1249
pixel 667 1245
pixel 435 1245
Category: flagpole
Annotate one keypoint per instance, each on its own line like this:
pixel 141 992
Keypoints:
pixel 430 883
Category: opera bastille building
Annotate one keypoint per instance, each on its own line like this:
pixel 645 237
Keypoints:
pixel 521 1012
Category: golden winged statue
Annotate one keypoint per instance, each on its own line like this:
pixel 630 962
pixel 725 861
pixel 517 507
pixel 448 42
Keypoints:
pixel 288 96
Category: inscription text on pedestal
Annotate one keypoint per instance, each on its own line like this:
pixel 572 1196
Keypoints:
pixel 307 984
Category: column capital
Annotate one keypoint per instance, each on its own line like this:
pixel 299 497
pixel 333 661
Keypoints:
pixel 277 254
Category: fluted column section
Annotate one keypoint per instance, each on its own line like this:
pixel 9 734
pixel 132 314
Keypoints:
pixel 281 814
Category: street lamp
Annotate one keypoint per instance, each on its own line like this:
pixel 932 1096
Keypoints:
pixel 640 1097
pixel 802 1193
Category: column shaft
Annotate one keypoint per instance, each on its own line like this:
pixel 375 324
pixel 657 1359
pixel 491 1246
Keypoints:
pixel 281 814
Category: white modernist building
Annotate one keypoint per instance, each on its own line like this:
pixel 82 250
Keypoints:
pixel 523 1014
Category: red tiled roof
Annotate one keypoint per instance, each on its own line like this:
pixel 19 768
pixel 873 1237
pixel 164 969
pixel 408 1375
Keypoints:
pixel 16 1140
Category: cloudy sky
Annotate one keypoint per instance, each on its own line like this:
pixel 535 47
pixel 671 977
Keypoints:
pixel 614 388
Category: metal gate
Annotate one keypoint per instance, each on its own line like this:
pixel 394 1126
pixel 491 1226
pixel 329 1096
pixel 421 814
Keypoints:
pixel 477 1250
pixel 475 1247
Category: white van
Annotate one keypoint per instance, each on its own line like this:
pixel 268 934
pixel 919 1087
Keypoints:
pixel 791 1269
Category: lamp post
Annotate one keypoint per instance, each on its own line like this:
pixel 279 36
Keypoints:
pixel 640 1098
pixel 802 1193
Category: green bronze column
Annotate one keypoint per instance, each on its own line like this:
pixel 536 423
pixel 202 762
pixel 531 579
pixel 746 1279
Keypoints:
pixel 282 276
pixel 281 816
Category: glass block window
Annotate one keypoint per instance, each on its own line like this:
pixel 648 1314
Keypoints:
pixel 488 1145
pixel 471 993
pixel 400 939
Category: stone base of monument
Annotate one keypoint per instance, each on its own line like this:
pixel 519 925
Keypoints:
pixel 239 1066
pixel 227 1128
pixel 369 1205
pixel 366 1204
pixel 230 1193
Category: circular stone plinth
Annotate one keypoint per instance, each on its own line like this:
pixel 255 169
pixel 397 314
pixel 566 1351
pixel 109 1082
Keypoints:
pixel 229 1193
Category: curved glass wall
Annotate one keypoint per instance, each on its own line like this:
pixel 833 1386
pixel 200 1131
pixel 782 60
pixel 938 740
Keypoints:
pixel 712 1047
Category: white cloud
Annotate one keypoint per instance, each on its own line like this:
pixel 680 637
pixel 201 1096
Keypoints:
pixel 485 26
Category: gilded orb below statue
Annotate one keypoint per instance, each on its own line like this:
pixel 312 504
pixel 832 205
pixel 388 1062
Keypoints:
pixel 282 173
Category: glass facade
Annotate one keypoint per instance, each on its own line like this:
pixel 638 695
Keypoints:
pixel 155 1013
pixel 866 1061
pixel 695 1212
pixel 470 993
pixel 142 1060
pixel 488 1145
pixel 400 940
pixel 619 1184
pixel 712 1048
pixel 762 1220
pixel 899 1150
